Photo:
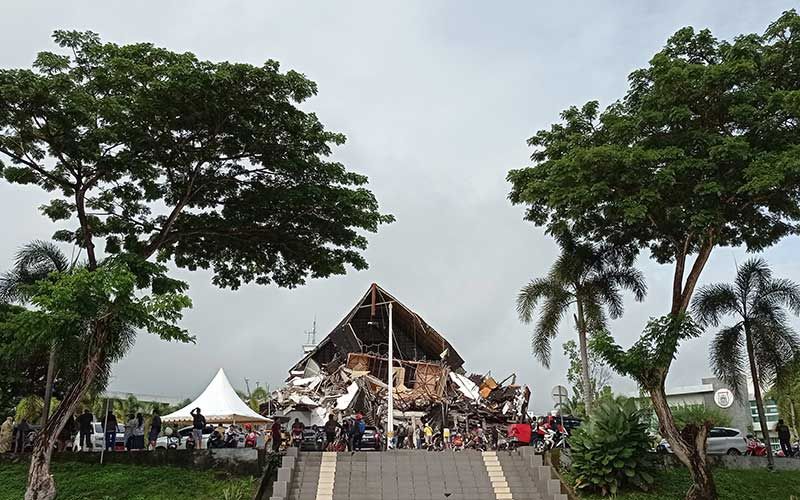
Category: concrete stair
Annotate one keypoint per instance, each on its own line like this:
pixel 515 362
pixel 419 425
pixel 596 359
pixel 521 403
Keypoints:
pixel 415 475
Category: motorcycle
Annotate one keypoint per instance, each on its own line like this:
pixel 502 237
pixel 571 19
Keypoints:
pixel 215 440
pixel 794 451
pixel 458 442
pixel 297 437
pixel 755 448
pixel 231 438
pixel 251 439
pixel 190 444
pixel 173 440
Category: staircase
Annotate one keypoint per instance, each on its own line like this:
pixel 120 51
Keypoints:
pixel 416 475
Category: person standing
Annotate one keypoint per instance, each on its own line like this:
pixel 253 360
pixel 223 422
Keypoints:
pixel 276 435
pixel 446 438
pixel 417 437
pixel 198 424
pixel 785 438
pixel 138 433
pixel 331 426
pixel 130 424
pixel 110 431
pixel 22 431
pixel 6 433
pixel 85 429
pixel 428 431
pixel 65 436
pixel 360 426
pixel 155 429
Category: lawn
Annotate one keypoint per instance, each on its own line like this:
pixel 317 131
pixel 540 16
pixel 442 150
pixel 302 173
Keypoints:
pixel 76 481
pixel 732 484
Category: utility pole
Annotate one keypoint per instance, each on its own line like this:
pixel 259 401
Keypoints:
pixel 390 422
pixel 247 384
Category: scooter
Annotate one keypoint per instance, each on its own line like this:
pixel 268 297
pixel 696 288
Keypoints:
pixel 250 439
pixel 215 440
pixel 794 451
pixel 297 438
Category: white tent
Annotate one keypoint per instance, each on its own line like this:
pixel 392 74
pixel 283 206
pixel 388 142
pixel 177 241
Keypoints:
pixel 219 403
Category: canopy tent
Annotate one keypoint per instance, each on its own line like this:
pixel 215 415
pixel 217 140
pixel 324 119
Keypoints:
pixel 218 403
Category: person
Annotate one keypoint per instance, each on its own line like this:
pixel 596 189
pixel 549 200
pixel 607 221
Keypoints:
pixel 138 433
pixel 785 438
pixel 446 437
pixel 297 432
pixel 6 433
pixel 85 429
pixel 276 435
pixel 331 426
pixel 428 431
pixel 110 430
pixel 155 430
pixel 198 424
pixel 401 436
pixel 22 431
pixel 347 432
pixel 360 426
pixel 65 436
pixel 417 437
pixel 130 425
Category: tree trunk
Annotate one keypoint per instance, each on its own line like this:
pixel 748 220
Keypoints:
pixel 40 482
pixel 762 417
pixel 588 393
pixel 690 448
pixel 48 384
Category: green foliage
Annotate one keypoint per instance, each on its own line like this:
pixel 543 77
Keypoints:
pixel 786 393
pixel 702 151
pixel 610 451
pixel 599 371
pixel 699 416
pixel 240 490
pixel 212 165
pixel 30 408
pixel 79 481
pixel 655 349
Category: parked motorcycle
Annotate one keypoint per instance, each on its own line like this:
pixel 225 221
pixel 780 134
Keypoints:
pixel 755 447
pixel 793 453
pixel 215 440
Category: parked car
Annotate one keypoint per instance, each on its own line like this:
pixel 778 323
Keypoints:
pixel 182 434
pixel 721 441
pixel 313 439
pixel 98 439
pixel 372 439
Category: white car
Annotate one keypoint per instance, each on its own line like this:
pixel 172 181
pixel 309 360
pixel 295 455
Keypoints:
pixel 721 441
pixel 98 439
pixel 181 434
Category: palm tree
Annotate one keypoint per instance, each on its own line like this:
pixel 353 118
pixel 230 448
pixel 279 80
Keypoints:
pixel 761 335
pixel 591 278
pixel 34 262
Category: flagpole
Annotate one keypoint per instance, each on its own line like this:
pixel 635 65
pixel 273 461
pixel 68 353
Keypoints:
pixel 390 421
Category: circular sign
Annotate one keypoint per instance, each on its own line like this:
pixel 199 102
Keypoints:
pixel 559 393
pixel 723 398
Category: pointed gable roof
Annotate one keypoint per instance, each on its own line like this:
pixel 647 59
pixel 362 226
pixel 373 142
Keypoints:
pixel 219 403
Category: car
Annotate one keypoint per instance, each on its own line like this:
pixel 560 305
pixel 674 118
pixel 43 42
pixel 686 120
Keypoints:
pixel 313 439
pixel 98 439
pixel 721 441
pixel 372 439
pixel 162 443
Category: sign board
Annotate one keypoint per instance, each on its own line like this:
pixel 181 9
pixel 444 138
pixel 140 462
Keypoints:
pixel 559 394
pixel 723 398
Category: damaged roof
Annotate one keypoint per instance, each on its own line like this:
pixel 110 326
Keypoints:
pixel 365 330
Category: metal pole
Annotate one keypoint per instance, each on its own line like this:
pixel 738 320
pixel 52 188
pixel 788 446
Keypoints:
pixel 390 421
pixel 105 429
pixel 48 385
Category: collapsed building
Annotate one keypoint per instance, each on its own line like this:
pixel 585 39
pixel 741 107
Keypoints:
pixel 347 373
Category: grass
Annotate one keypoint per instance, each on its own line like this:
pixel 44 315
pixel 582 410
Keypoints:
pixel 758 484
pixel 76 481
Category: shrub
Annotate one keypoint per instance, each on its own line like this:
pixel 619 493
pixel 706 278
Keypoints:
pixel 610 451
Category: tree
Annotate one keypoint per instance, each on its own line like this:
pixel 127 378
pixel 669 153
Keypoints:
pixel 599 379
pixel 35 261
pixel 702 152
pixel 592 279
pixel 761 337
pixel 786 393
pixel 164 157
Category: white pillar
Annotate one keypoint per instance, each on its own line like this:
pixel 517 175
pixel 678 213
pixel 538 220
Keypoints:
pixel 390 419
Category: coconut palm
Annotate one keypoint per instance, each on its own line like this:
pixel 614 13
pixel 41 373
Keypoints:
pixel 589 277
pixel 761 336
pixel 34 262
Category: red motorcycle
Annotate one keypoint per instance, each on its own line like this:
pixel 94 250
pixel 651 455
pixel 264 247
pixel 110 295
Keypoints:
pixel 755 448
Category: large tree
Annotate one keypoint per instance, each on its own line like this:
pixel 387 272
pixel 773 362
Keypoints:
pixel 157 155
pixel 589 278
pixel 761 341
pixel 702 152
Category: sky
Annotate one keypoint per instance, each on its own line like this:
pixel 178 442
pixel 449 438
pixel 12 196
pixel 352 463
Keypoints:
pixel 436 100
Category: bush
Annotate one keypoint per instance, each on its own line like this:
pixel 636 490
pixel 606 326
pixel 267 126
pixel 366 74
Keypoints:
pixel 610 451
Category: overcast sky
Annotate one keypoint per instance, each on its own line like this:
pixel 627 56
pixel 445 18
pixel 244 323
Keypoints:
pixel 437 99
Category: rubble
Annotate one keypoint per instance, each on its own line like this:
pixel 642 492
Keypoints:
pixel 347 373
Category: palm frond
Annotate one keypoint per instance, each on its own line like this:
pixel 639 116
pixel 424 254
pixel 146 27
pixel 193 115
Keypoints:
pixel 553 311
pixel 535 291
pixel 752 274
pixel 780 292
pixel 712 302
pixel 776 346
pixel 727 358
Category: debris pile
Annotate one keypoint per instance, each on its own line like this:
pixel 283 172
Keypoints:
pixel 347 373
